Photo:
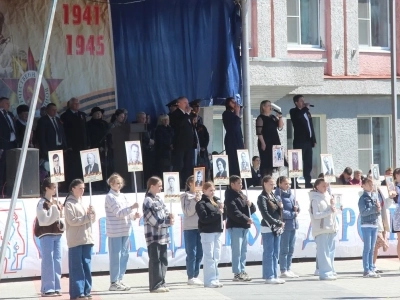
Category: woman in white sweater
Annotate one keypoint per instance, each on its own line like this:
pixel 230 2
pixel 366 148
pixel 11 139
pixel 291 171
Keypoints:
pixel 191 233
pixel 324 228
pixel 48 229
pixel 119 213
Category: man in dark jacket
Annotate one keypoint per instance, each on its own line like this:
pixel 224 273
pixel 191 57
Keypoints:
pixel 239 210
pixel 184 136
pixel 8 136
pixel 304 135
pixel 75 130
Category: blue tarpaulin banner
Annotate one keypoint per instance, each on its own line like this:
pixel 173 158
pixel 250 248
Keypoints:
pixel 166 49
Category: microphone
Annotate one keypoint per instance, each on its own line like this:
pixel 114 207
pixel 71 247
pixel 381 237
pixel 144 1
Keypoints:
pixel 311 105
pixel 277 111
pixel 276 108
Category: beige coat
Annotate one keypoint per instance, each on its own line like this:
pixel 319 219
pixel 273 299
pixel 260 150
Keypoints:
pixel 79 231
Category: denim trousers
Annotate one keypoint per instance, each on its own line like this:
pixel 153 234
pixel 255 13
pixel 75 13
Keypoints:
pixel 118 252
pixel 211 243
pixel 288 240
pixel 271 245
pixel 194 252
pixel 369 237
pixel 325 254
pixel 238 248
pixel 50 246
pixel 158 264
pixel 80 276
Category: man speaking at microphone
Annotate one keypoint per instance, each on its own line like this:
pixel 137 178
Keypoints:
pixel 304 136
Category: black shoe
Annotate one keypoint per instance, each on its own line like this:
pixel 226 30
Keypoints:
pixel 48 294
pixel 309 186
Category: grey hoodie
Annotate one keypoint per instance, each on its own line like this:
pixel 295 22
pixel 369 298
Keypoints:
pixel 188 203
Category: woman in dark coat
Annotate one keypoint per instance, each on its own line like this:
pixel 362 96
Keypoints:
pixel 233 135
pixel 163 135
pixel 267 126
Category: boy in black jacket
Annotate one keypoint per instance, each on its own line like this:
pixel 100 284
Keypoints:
pixel 239 210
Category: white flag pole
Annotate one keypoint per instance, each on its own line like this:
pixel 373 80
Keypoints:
pixel 24 149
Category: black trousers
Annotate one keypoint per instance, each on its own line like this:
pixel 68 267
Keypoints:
pixel 3 159
pixel 183 162
pixel 307 151
pixel 158 264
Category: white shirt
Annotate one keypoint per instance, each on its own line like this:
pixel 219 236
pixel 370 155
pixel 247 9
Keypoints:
pixel 12 135
pixel 55 120
pixel 308 123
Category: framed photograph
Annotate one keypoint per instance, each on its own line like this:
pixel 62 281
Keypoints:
pixel 327 167
pixel 91 165
pixel 278 157
pixel 244 163
pixel 199 175
pixel 134 156
pixel 338 201
pixel 375 173
pixel 172 192
pixel 56 165
pixel 220 169
pixel 390 184
pixel 295 160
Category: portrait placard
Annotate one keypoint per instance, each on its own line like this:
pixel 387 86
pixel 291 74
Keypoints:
pixel 199 175
pixel 220 169
pixel 278 157
pixel 295 163
pixel 375 173
pixel 390 184
pixel 91 165
pixel 56 165
pixel 134 156
pixel 338 201
pixel 172 192
pixel 327 167
pixel 244 163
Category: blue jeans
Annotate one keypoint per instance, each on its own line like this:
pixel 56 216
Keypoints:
pixel 270 255
pixel 211 243
pixel 194 252
pixel 80 276
pixel 238 248
pixel 118 252
pixel 325 254
pixel 51 263
pixel 369 237
pixel 288 240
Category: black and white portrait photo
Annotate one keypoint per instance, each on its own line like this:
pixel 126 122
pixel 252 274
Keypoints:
pixel 198 174
pixel 278 157
pixel 134 156
pixel 56 166
pixel 220 169
pixel 375 172
pixel 91 166
pixel 327 167
pixel 171 186
pixel 244 163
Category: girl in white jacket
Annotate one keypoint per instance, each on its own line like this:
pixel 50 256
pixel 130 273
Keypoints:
pixel 324 228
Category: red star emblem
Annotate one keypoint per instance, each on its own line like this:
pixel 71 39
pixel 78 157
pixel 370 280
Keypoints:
pixel 23 86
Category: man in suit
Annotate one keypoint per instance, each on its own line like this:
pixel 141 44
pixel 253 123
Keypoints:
pixel 75 131
pixel 135 151
pixel 199 179
pixel 328 166
pixel 171 188
pixel 56 165
pixel 184 137
pixel 304 136
pixel 244 166
pixel 8 136
pixel 50 132
pixel 91 167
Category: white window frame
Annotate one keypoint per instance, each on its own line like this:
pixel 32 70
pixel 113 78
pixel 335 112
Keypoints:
pixel 372 138
pixel 321 29
pixel 369 47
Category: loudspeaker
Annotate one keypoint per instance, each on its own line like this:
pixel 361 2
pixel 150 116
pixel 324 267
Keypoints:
pixel 30 183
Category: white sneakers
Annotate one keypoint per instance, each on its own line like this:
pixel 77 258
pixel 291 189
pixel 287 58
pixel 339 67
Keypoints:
pixel 214 284
pixel 274 281
pixel 195 281
pixel 288 274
